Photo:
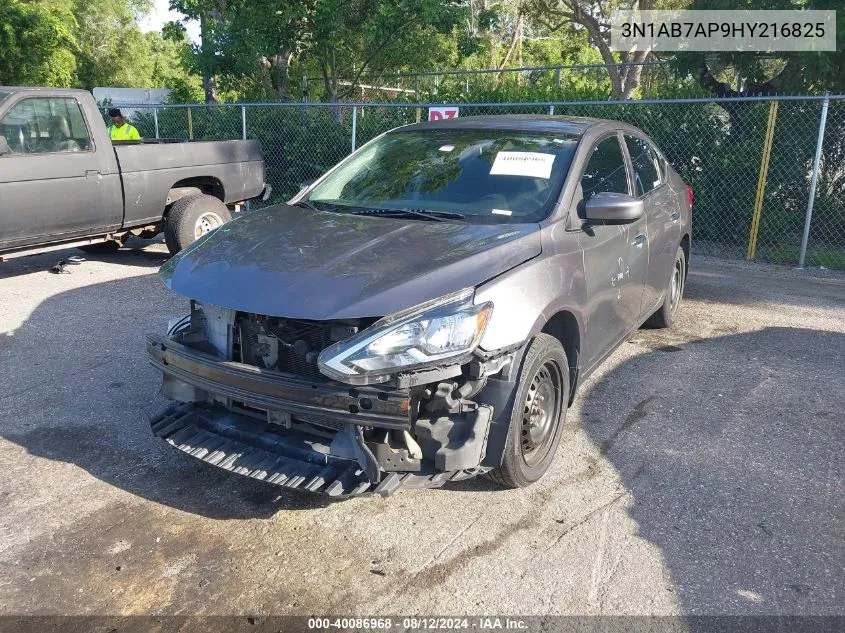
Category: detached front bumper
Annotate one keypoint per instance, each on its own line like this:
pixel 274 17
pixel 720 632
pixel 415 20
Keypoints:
pixel 255 422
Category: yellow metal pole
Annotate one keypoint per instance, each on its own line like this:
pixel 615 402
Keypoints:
pixel 761 182
pixel 419 114
pixel 190 125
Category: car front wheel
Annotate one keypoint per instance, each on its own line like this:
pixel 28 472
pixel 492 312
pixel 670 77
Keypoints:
pixel 538 416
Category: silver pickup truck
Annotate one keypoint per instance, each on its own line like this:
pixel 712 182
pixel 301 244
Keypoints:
pixel 63 182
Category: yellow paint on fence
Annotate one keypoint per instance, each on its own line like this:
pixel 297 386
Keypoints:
pixel 761 182
pixel 190 125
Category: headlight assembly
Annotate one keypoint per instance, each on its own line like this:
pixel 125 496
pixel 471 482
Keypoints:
pixel 426 335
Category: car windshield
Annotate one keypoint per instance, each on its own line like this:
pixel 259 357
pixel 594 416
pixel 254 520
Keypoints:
pixel 3 95
pixel 485 176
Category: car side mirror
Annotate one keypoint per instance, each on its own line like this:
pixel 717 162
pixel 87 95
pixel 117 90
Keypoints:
pixel 306 183
pixel 611 207
pixel 4 146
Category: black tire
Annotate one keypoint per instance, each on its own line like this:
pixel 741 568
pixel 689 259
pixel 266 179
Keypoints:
pixel 100 248
pixel 183 226
pixel 666 313
pixel 536 427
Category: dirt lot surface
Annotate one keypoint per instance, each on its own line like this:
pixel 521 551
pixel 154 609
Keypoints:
pixel 702 473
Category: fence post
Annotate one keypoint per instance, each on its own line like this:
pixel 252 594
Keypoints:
pixel 190 125
pixel 243 136
pixel 751 253
pixel 354 125
pixel 813 182
pixel 155 120
pixel 551 110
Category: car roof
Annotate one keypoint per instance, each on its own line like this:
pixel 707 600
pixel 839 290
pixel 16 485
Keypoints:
pixel 574 125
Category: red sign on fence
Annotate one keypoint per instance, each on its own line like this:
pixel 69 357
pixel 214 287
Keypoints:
pixel 445 112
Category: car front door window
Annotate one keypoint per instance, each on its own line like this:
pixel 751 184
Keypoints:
pixel 605 170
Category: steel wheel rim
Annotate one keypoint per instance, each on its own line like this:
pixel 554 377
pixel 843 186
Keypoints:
pixel 540 413
pixel 676 285
pixel 205 223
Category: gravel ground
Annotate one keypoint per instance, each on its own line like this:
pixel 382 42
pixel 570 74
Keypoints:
pixel 702 473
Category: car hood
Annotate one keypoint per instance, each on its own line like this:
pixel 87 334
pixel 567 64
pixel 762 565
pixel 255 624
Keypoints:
pixel 291 262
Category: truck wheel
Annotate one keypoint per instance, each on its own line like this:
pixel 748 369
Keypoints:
pixel 192 217
pixel 665 315
pixel 538 416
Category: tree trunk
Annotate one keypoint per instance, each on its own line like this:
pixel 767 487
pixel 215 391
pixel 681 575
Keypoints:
pixel 209 83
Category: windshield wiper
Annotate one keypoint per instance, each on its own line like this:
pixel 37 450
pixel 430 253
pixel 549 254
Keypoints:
pixel 437 216
pixel 305 203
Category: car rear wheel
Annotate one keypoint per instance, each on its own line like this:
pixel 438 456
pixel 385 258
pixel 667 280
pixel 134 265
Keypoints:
pixel 665 315
pixel 192 217
pixel 538 415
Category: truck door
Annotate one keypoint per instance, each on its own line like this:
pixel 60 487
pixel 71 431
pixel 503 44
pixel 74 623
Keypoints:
pixel 615 258
pixel 55 183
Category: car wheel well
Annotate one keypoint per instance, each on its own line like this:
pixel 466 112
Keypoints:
pixel 564 327
pixel 685 244
pixel 208 185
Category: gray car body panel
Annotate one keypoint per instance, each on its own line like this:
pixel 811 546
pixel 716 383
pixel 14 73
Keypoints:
pixel 55 197
pixel 292 262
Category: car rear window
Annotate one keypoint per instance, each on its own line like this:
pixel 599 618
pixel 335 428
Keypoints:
pixel 489 176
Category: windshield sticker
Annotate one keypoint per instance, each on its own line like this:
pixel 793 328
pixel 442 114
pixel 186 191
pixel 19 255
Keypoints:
pixel 502 212
pixel 533 164
pixel 446 148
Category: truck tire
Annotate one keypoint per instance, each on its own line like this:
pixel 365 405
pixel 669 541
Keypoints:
pixel 665 315
pixel 192 217
pixel 538 415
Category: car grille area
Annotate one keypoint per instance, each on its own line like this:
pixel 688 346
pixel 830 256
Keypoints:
pixel 289 345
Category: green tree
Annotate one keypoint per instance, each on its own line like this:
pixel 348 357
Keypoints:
pixel 727 74
pixel 37 43
pixel 593 16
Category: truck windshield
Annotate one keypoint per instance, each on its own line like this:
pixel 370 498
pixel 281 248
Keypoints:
pixel 485 176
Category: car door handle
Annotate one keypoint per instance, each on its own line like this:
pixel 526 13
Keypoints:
pixel 675 216
pixel 92 174
pixel 639 240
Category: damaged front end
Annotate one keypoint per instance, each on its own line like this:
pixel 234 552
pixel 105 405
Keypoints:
pixel 344 406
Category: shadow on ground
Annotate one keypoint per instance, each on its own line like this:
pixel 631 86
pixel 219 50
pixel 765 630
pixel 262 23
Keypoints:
pixel 134 254
pixel 734 452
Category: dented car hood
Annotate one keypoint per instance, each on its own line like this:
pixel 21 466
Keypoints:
pixel 292 262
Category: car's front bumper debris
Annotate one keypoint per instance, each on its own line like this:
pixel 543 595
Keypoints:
pixel 244 446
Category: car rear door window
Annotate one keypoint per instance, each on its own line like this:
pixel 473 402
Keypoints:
pixel 43 125
pixel 646 163
pixel 605 170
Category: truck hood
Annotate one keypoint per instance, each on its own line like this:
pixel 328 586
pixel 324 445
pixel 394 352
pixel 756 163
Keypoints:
pixel 291 262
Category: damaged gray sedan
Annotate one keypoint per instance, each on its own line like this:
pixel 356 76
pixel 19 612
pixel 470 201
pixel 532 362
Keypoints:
pixel 425 311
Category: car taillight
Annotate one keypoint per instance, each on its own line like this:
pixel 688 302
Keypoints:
pixel 689 196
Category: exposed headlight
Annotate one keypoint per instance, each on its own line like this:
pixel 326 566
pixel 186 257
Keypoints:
pixel 428 334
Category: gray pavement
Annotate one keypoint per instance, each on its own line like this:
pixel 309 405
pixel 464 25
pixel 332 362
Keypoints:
pixel 702 473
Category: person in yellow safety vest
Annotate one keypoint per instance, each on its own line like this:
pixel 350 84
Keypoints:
pixel 120 130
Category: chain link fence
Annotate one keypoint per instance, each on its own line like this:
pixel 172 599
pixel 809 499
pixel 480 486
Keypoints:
pixel 750 161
